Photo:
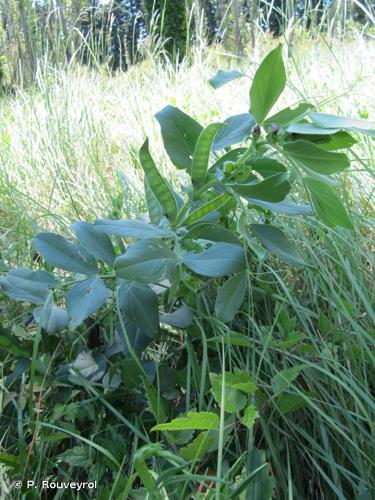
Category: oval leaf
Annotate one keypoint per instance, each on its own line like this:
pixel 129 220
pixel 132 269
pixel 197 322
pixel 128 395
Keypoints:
pixel 236 129
pixel 52 318
pixel 84 299
pixel 146 261
pixel 58 252
pixel 230 297
pixel 140 305
pixel 203 420
pixel 289 115
pixel 223 77
pixel 199 447
pixel 269 82
pixel 340 122
pixel 131 229
pixel 180 318
pixel 276 242
pixel 274 188
pixel 267 166
pixel 221 259
pixel 28 286
pixel 211 232
pixel 180 133
pixel 327 204
pixel 98 245
pixel 315 158
pixel 285 207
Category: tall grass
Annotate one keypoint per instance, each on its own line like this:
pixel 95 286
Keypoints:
pixel 68 150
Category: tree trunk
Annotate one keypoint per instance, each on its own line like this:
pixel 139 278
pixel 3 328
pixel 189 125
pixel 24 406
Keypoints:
pixel 24 25
pixel 237 27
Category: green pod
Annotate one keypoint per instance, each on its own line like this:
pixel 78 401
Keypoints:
pixel 154 209
pixel 207 208
pixel 202 153
pixel 157 183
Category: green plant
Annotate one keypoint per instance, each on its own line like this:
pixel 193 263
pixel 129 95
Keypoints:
pixel 136 305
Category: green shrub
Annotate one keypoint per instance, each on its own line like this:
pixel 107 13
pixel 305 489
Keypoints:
pixel 138 314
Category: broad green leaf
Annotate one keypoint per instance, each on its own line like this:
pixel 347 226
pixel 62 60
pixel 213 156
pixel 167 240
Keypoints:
pixel 223 77
pixel 237 385
pixel 194 420
pixel 98 245
pixel 51 317
pixel 139 303
pixel 221 259
pixel 289 115
pixel 146 261
pixel 235 129
pixel 132 229
pixel 340 122
pixel 230 297
pixel 58 252
pixel 84 299
pixel 211 232
pixel 339 140
pixel 180 133
pixel 180 318
pixel 154 209
pixel 282 380
pixel 157 183
pixel 199 447
pixel 306 128
pixel 129 332
pixel 249 416
pixel 28 286
pixel 267 166
pixel 202 152
pixel 240 380
pixel 206 209
pixel 288 403
pixel 274 188
pixel 285 207
pixel 315 158
pixel 276 242
pixel 327 204
pixel 269 82
pixel 79 456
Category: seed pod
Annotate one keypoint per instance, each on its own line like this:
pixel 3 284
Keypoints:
pixel 157 183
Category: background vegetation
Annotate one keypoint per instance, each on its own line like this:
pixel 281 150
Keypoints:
pixel 71 124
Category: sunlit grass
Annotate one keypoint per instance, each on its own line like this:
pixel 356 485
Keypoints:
pixel 68 150
pixel 62 146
